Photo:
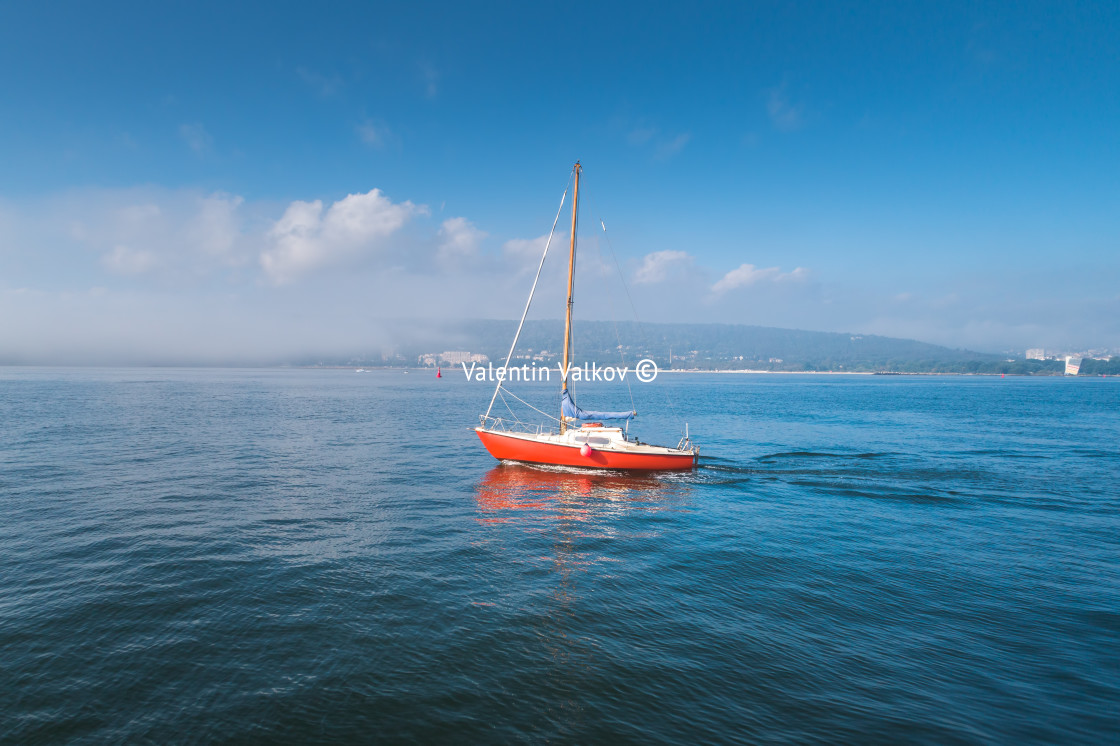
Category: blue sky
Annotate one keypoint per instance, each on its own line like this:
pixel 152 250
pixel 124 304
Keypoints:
pixel 200 178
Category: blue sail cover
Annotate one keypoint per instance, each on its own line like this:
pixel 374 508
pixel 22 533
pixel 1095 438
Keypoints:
pixel 569 409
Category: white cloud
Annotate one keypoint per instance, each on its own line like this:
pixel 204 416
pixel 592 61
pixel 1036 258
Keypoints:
pixel 459 239
pixel 125 261
pixel 640 135
pixel 373 133
pixel 430 77
pixel 150 274
pixel 325 85
pixel 656 266
pixel 196 137
pixel 669 148
pixel 172 236
pixel 525 253
pixel 525 248
pixel 742 276
pixel 784 114
pixel 215 230
pixel 799 274
pixel 643 135
pixel 134 216
pixel 746 275
pixel 305 239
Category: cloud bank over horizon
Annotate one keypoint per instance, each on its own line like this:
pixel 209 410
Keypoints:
pixel 153 275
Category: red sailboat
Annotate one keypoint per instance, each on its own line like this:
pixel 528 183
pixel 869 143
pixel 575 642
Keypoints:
pixel 577 441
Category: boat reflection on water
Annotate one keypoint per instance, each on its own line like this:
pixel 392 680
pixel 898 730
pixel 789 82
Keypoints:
pixel 509 489
pixel 565 533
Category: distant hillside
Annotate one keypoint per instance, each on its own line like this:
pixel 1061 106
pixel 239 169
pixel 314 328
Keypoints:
pixel 722 346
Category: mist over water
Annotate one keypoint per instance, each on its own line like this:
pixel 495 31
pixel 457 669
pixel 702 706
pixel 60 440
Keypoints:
pixel 316 555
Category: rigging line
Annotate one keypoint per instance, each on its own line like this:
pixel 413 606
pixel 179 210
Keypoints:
pixel 610 303
pixel 527 404
pixel 516 419
pixel 529 302
pixel 614 322
pixel 633 308
pixel 512 413
pixel 614 257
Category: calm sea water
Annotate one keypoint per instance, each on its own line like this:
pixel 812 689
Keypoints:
pixel 310 556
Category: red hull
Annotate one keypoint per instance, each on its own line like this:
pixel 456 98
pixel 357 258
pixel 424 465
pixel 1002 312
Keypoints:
pixel 510 448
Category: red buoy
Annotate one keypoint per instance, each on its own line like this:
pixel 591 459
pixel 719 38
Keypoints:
pixel 585 451
pixel 438 373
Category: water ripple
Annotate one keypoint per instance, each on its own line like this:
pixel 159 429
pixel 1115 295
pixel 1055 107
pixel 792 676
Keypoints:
pixel 200 556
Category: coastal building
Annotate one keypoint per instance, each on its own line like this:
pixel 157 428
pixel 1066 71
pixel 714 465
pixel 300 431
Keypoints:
pixel 1036 353
pixel 452 357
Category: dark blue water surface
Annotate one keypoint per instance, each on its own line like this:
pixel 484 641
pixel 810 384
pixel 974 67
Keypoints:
pixel 313 555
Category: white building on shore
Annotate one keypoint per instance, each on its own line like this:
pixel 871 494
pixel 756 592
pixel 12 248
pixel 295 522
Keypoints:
pixel 452 357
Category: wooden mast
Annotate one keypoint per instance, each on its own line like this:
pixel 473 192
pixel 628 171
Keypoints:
pixel 571 274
